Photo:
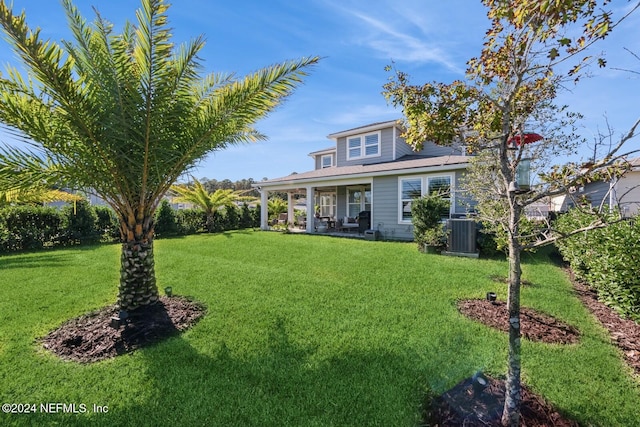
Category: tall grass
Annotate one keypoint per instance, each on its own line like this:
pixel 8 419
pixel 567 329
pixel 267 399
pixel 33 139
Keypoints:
pixel 300 330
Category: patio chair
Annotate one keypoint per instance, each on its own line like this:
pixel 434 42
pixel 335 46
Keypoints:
pixel 282 219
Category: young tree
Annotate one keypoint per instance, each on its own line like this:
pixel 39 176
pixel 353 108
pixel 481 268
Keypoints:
pixel 209 202
pixel 126 115
pixel 510 91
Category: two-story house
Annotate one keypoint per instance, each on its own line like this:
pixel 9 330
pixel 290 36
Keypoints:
pixel 372 173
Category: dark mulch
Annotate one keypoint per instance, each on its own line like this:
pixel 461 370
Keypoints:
pixel 90 338
pixel 534 326
pixel 624 333
pixel 464 406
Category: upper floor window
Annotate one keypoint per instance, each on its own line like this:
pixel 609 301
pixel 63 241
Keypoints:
pixel 326 161
pixel 363 146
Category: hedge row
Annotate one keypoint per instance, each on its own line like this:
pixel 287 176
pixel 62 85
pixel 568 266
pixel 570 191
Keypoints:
pixel 607 259
pixel 33 227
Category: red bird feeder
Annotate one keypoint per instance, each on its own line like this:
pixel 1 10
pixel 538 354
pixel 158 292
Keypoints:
pixel 528 138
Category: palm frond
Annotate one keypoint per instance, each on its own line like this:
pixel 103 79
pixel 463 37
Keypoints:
pixel 22 169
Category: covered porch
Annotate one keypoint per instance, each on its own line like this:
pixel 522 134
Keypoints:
pixel 343 207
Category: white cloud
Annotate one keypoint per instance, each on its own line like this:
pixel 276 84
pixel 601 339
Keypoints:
pixel 401 45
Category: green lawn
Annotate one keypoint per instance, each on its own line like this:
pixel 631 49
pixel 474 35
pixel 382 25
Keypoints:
pixel 301 330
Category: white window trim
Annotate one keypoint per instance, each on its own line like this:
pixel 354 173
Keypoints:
pixel 362 139
pixel 324 156
pixel 423 187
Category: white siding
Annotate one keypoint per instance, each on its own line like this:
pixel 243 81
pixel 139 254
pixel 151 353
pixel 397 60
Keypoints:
pixel 628 193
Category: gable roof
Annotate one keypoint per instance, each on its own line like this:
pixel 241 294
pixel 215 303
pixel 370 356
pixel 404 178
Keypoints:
pixel 404 165
pixel 328 150
pixel 367 128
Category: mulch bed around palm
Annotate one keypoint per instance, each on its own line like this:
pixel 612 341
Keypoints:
pixel 90 338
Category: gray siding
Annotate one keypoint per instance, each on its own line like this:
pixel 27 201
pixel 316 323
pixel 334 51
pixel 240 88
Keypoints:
pixel 386 205
pixel 386 150
pixel 403 149
pixel 429 149
pixel 385 210
pixel 318 160
pixel 596 193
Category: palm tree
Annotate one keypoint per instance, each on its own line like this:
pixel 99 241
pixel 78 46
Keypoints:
pixel 36 196
pixel 209 202
pixel 126 115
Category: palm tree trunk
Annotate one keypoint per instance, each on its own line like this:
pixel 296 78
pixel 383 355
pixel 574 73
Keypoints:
pixel 137 273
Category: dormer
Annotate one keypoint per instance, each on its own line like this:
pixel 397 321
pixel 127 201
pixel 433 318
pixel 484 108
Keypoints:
pixel 324 158
pixel 374 143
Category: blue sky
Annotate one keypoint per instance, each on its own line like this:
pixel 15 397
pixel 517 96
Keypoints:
pixel 430 40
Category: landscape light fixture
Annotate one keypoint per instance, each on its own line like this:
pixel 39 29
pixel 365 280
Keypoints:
pixel 491 296
pixel 168 291
pixel 479 382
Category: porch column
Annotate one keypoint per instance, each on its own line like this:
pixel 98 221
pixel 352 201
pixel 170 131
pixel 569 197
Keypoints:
pixel 290 217
pixel 264 209
pixel 311 213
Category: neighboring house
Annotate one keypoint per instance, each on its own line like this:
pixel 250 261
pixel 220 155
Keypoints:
pixel 370 171
pixel 623 193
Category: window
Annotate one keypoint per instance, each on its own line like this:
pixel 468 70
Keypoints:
pixel 327 204
pixel 409 189
pixel 358 200
pixel 363 146
pixel 326 161
pixel 414 187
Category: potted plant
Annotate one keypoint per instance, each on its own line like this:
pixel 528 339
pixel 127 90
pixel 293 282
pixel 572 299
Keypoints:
pixel 432 240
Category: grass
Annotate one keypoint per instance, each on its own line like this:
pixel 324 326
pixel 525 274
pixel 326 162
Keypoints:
pixel 301 331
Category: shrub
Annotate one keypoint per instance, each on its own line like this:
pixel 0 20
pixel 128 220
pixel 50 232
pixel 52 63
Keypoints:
pixel 246 219
pixel 605 258
pixel 28 227
pixel 231 218
pixel 166 224
pixel 107 223
pixel 426 216
pixel 80 224
pixel 190 221
pixel 256 214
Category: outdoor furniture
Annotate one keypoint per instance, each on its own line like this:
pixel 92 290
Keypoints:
pixel 320 225
pixel 302 222
pixel 282 219
pixel 347 224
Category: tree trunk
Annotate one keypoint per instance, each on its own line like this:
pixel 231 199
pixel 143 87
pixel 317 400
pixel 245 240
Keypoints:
pixel 511 411
pixel 137 273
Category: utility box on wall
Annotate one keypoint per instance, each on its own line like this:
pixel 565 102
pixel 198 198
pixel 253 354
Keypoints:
pixel 371 235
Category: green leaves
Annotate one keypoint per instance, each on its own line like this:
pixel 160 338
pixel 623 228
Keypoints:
pixel 127 114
